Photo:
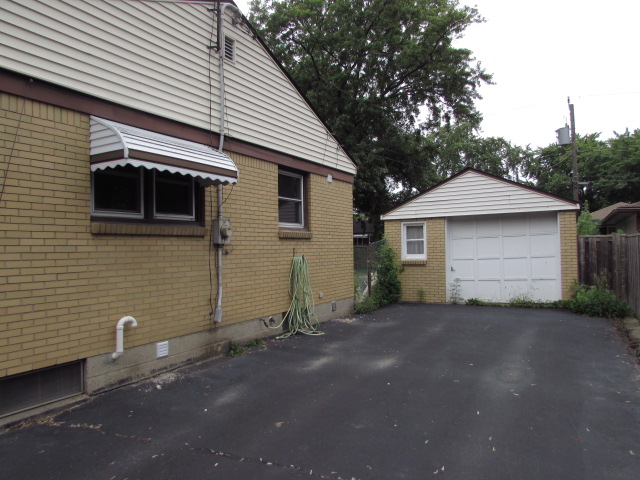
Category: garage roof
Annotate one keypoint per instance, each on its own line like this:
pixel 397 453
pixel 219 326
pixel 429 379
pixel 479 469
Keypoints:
pixel 114 144
pixel 472 192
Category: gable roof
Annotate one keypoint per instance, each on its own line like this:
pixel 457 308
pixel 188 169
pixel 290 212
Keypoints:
pixel 613 212
pixel 472 192
pixel 160 58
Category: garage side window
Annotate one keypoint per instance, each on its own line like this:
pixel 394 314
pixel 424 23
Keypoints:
pixel 414 241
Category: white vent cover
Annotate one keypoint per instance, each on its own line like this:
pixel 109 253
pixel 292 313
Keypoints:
pixel 162 349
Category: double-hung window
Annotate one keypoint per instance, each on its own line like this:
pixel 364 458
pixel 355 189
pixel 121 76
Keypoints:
pixel 290 199
pixel 414 241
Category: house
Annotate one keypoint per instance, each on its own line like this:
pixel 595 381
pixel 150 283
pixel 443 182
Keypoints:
pixel 159 172
pixel 620 216
pixel 476 235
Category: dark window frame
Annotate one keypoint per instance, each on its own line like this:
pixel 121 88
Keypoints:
pixel 148 203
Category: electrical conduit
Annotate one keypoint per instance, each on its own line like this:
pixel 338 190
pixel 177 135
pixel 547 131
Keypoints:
pixel 217 317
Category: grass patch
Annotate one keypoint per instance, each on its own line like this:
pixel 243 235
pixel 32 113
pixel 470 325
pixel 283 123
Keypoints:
pixel 236 350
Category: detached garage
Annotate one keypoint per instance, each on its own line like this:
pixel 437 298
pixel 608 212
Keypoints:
pixel 476 235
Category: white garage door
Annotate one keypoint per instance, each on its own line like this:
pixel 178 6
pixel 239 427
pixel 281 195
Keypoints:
pixel 497 258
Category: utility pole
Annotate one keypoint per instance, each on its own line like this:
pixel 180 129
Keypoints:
pixel 574 153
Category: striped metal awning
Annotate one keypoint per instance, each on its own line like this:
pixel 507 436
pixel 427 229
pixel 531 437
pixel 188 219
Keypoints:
pixel 114 144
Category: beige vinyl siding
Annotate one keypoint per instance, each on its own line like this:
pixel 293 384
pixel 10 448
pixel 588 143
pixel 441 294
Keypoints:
pixel 475 194
pixel 155 57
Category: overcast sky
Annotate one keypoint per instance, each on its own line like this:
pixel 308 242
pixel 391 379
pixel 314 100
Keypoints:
pixel 542 52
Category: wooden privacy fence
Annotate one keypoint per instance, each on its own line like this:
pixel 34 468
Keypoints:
pixel 615 258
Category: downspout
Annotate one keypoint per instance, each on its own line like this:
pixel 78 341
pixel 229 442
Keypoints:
pixel 217 317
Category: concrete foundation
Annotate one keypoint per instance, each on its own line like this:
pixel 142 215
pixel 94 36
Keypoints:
pixel 103 373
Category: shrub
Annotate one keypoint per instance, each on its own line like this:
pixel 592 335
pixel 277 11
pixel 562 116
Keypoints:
pixel 586 224
pixel 598 302
pixel 387 289
pixel 366 305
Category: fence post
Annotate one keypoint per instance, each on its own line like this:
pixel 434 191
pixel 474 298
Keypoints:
pixel 369 268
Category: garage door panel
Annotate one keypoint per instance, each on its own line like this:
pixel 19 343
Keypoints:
pixel 488 247
pixel 515 246
pixel 488 227
pixel 543 267
pixel 514 226
pixel 462 228
pixel 463 248
pixel 489 290
pixel 505 256
pixel 544 245
pixel 465 269
pixel 547 222
pixel 467 289
pixel 544 290
pixel 516 268
pixel 516 289
pixel 489 269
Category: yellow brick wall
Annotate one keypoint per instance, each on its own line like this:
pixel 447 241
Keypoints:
pixel 428 276
pixel 63 288
pixel 568 251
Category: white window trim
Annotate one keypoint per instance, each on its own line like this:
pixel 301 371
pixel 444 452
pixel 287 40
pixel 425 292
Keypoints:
pixel 301 200
pixel 117 213
pixel 407 256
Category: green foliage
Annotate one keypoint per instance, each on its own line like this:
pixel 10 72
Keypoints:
pixel 598 302
pixel 387 289
pixel 367 305
pixel 595 301
pixel 475 302
pixel 255 343
pixel 235 350
pixel 421 295
pixel 611 168
pixel 586 224
pixel 375 69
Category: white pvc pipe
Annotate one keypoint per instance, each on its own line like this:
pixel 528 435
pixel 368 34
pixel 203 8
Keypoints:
pixel 120 335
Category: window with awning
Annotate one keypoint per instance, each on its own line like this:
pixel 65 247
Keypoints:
pixel 144 175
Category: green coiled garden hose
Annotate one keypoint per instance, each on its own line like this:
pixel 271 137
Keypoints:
pixel 300 316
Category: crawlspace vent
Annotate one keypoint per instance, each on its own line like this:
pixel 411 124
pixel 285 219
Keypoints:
pixel 162 349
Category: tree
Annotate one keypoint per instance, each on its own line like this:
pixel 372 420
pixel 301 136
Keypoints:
pixel 610 168
pixel 586 224
pixel 457 147
pixel 383 75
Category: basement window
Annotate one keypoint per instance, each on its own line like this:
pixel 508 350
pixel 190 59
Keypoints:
pixel 33 389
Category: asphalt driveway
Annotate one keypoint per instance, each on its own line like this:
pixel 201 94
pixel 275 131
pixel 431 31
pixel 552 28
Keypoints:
pixel 408 392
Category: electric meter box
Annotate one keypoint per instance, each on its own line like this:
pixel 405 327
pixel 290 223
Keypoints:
pixel 222 231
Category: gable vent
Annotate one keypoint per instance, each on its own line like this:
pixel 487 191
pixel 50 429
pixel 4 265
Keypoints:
pixel 229 48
